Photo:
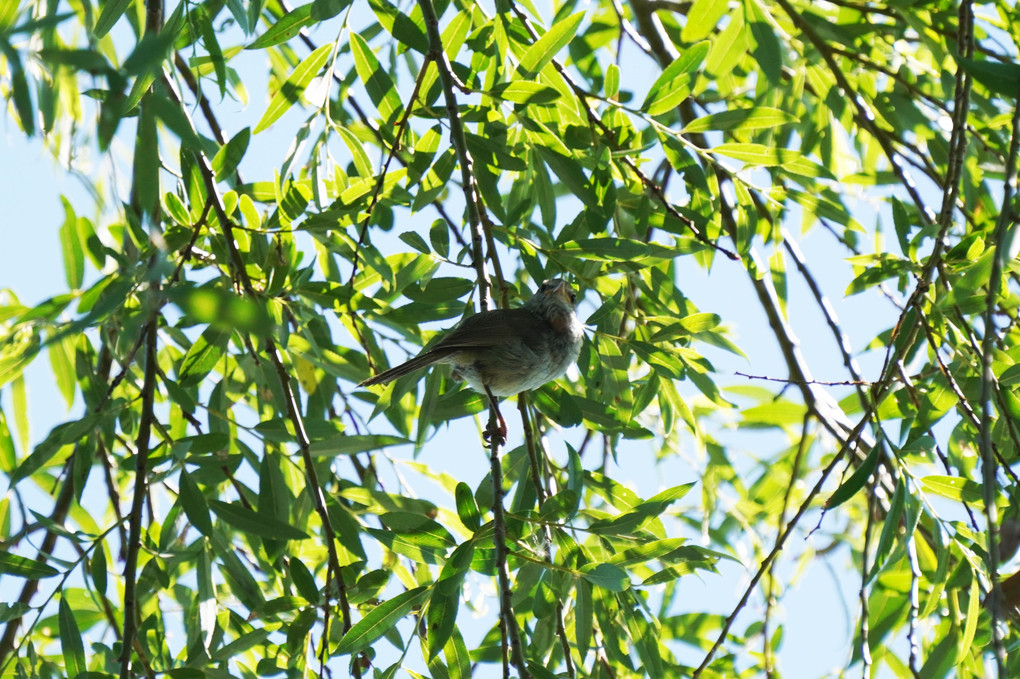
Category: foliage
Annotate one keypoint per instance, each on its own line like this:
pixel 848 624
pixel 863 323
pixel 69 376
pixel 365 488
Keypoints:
pixel 220 501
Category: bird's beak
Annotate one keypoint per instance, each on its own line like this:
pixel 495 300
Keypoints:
pixel 564 291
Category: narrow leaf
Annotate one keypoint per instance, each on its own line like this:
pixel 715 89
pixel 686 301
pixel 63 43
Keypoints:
pixel 194 505
pixel 741 119
pixel 606 575
pixel 954 488
pixel 20 567
pixel 351 445
pixel 546 47
pixel 674 84
pixel 254 523
pixel 112 11
pixel 379 620
pixel 70 640
pixel 856 481
pixel 289 25
pixel 1001 78
pixel 381 89
pixel 224 163
pixel 294 86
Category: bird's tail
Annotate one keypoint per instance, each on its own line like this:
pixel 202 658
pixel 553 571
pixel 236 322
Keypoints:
pixel 416 363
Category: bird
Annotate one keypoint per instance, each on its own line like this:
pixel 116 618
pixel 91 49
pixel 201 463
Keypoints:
pixel 501 352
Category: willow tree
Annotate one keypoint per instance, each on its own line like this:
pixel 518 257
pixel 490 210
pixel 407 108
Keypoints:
pixel 222 499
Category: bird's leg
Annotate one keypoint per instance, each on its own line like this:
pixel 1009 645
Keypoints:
pixel 495 431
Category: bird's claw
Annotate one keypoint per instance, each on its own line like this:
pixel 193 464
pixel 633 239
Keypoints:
pixel 495 435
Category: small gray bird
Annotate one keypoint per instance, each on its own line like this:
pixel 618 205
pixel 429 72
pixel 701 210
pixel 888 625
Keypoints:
pixel 506 351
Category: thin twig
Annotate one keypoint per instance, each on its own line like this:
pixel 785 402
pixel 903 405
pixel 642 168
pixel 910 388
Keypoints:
pixel 499 537
pixel 787 380
pixel 770 594
pixel 141 488
pixel 459 141
pixel 780 541
pixel 862 593
pixel 864 116
pixel 293 409
pixel 989 467
pixel 472 207
pixel 29 589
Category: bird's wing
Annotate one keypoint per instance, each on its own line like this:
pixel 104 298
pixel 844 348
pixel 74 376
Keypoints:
pixel 493 328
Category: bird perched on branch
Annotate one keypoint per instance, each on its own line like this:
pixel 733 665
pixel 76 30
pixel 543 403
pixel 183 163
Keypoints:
pixel 506 351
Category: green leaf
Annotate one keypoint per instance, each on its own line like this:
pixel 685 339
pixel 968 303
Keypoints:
pixel 628 522
pixel 545 48
pixel 400 25
pixel 646 552
pixel 765 45
pixel 1010 376
pixel 224 163
pixel 379 620
pixel 459 663
pixel 19 87
pixel 441 618
pixel 776 414
pixel 611 88
pixel 145 186
pixel 351 445
pixel 890 529
pixel 1001 78
pixel 789 161
pixel 729 46
pixel 607 576
pixel 98 568
pixel 13 611
pixel 584 617
pixel 20 567
pixel 381 89
pixel 527 92
pixel 740 119
pixel 702 17
pixel 439 236
pixel 295 85
pixel 674 84
pixel 59 436
pixel 972 617
pixel 286 27
pixel 194 505
pixel 569 171
pixel 414 239
pixel 70 640
pixel 71 247
pixel 467 509
pixel 611 249
pixel 856 481
pixel 955 488
pixel 327 9
pixel 8 15
pixel 203 355
pixel 112 11
pixel 241 644
pixel 418 528
pixel 61 355
pixel 255 523
pixel 362 162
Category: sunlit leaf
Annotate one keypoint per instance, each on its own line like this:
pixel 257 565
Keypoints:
pixel 295 85
pixel 674 83
pixel 378 620
pixel 285 28
pixel 542 51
